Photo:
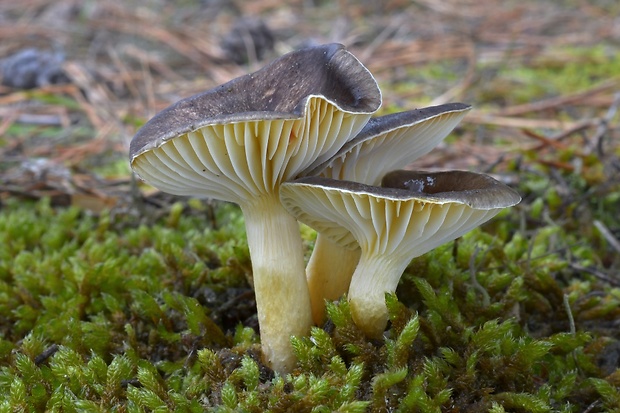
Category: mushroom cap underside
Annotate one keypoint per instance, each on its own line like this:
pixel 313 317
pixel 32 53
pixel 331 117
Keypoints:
pixel 245 160
pixel 393 220
pixel 391 142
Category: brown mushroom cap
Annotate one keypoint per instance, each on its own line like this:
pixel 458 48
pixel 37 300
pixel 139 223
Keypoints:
pixel 280 90
pixel 478 191
pixel 373 214
pixel 254 131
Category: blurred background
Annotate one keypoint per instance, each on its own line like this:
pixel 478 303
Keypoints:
pixel 79 77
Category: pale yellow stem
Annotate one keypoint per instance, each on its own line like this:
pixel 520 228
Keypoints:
pixel 329 273
pixel 374 276
pixel 282 297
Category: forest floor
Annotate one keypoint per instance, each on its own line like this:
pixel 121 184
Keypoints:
pixel 115 296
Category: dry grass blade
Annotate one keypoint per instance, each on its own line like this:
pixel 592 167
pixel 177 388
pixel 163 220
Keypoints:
pixel 526 123
pixel 606 233
pixel 558 101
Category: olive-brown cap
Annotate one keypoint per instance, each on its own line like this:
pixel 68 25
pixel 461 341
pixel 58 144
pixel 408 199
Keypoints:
pixel 415 211
pixel 245 136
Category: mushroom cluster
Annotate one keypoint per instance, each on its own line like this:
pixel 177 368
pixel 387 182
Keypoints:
pixel 296 141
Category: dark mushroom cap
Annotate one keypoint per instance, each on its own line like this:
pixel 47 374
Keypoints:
pixel 421 209
pixel 280 90
pixel 241 139
pixel 475 190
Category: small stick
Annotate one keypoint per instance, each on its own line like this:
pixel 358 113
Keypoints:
pixel 562 135
pixel 46 354
pixel 598 274
pixel 481 118
pixel 486 299
pixel 592 406
pixel 569 313
pixel 606 233
pixel 603 126
pixel 555 102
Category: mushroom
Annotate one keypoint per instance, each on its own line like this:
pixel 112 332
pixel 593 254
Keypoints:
pixel 386 143
pixel 410 215
pixel 239 141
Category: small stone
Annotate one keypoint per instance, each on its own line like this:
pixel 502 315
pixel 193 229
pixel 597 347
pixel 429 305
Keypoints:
pixel 32 68
pixel 248 39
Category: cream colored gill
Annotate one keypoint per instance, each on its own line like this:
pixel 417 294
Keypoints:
pixel 411 228
pixel 459 219
pixel 405 227
pixel 371 159
pixel 242 160
pixel 324 130
pixel 164 174
pixel 328 209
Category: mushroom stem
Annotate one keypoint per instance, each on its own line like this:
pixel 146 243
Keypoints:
pixel 329 273
pixel 375 275
pixel 282 298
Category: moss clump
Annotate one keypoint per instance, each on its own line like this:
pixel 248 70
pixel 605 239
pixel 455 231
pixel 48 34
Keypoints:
pixel 118 312
pixel 106 314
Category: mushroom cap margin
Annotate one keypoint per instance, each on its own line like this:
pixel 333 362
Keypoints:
pixel 350 213
pixel 280 90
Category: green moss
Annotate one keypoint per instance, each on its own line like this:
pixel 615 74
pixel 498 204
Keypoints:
pixel 98 290
pixel 124 312
pixel 109 313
